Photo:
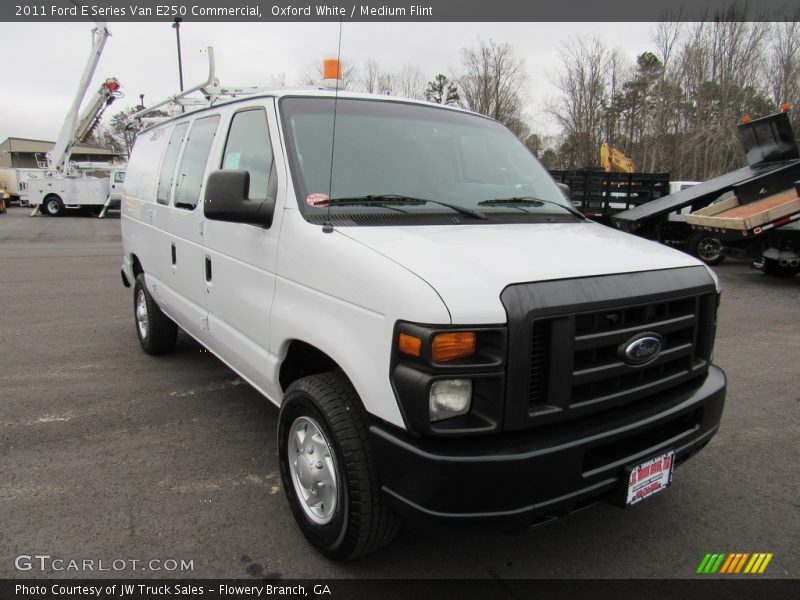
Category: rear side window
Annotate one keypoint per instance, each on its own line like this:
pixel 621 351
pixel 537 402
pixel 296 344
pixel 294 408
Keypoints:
pixel 249 148
pixel 168 166
pixel 119 177
pixel 144 165
pixel 193 163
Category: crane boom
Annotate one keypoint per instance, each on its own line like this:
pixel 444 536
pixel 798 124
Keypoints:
pixel 58 157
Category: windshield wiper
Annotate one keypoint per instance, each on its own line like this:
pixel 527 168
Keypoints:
pixel 389 199
pixel 516 201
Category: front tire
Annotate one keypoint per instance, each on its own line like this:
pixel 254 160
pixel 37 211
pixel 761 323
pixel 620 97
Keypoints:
pixel 328 470
pixel 156 331
pixel 53 206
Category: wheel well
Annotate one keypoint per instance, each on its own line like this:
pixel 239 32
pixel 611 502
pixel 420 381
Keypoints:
pixel 301 360
pixel 56 196
pixel 136 266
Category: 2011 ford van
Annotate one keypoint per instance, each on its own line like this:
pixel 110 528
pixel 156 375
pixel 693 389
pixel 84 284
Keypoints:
pixel 444 335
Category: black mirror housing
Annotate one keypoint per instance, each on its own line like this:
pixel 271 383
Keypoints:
pixel 226 199
pixel 565 190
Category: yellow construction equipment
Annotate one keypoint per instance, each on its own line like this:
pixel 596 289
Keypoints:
pixel 614 160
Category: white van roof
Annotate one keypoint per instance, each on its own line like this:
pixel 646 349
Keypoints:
pixel 314 92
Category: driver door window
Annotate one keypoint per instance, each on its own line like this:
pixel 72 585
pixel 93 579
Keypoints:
pixel 248 147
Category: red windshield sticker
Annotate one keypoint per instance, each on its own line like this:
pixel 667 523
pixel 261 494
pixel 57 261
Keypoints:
pixel 318 200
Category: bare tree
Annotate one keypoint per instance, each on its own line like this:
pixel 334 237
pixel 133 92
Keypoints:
pixel 667 98
pixel 784 71
pixel 581 109
pixel 722 68
pixel 370 75
pixel 677 109
pixel 279 80
pixel 409 82
pixel 493 82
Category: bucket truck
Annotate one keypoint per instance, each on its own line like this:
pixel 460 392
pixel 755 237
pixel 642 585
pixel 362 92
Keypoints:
pixel 66 185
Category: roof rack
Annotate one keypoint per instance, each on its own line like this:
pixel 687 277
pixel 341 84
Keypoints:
pixel 210 91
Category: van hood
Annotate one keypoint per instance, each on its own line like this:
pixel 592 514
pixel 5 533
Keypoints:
pixel 470 265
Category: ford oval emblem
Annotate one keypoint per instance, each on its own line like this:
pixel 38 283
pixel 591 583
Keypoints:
pixel 641 349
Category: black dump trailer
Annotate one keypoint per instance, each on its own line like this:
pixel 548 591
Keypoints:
pixel 750 212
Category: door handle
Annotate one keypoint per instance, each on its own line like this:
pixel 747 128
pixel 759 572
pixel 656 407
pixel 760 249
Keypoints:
pixel 174 255
pixel 208 269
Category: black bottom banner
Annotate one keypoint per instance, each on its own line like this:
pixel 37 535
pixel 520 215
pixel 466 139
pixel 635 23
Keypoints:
pixel 415 589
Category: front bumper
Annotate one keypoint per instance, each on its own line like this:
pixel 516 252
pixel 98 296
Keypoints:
pixel 519 479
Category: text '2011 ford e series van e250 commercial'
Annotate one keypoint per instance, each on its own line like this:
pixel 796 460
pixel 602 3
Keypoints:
pixel 445 336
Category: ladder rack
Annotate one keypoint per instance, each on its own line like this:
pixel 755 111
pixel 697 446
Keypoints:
pixel 210 92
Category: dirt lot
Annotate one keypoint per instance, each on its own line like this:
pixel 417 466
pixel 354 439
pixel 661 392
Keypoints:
pixel 108 453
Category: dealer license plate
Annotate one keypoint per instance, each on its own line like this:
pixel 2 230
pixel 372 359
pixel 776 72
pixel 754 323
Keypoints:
pixel 650 477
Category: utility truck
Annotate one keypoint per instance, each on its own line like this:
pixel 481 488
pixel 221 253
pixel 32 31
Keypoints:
pixel 65 185
pixel 14 181
pixel 750 212
pixel 444 335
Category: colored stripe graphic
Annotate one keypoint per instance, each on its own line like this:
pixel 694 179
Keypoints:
pixel 703 563
pixel 754 563
pixel 741 562
pixel 728 563
pixel 718 563
pixel 735 562
pixel 766 562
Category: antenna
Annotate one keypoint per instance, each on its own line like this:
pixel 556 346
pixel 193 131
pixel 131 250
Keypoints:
pixel 327 227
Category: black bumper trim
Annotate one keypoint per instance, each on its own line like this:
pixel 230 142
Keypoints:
pixel 513 480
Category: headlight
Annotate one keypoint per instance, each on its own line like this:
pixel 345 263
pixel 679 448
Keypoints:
pixel 449 398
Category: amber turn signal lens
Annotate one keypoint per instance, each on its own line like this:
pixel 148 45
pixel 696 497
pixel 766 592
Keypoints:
pixel 786 107
pixel 745 119
pixel 408 344
pixel 450 346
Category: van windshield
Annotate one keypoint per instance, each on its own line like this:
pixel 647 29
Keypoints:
pixel 413 162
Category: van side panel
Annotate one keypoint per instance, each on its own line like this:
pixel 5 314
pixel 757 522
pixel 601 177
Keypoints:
pixel 182 270
pixel 344 299
pixel 243 257
pixel 139 236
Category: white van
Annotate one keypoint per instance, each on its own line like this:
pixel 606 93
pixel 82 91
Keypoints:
pixel 444 335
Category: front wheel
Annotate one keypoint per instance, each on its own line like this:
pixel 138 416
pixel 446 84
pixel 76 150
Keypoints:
pixel 328 471
pixel 53 206
pixel 156 331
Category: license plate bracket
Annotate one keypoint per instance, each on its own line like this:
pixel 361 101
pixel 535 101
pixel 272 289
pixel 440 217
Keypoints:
pixel 649 477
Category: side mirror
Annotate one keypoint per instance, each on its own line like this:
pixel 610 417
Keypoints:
pixel 226 200
pixel 565 190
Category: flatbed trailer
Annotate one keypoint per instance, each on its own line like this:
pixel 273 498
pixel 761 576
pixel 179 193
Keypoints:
pixel 749 219
pixel 750 212
pixel 599 194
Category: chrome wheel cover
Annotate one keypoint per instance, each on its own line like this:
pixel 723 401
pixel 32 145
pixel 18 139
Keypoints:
pixel 313 470
pixel 141 315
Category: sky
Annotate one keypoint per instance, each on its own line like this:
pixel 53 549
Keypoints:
pixel 41 74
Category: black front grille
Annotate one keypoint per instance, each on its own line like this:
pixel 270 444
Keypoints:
pixel 575 332
pixel 597 373
pixel 540 362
